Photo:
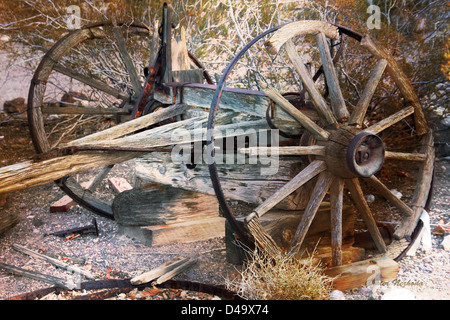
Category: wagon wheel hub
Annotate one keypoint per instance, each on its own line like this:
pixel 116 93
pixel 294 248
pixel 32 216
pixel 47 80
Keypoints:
pixel 351 154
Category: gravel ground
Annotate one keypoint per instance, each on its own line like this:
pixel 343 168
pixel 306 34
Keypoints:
pixel 111 255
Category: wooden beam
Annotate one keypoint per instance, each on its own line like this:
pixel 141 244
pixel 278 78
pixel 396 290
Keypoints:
pixel 363 273
pixel 133 125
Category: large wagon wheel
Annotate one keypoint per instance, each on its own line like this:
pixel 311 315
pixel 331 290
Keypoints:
pixel 91 78
pixel 354 150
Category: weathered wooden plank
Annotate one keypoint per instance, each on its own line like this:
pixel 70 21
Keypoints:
pixel 133 125
pixel 250 102
pixel 318 100
pixel 59 282
pixel 357 116
pixel 368 272
pixel 336 97
pixel 161 206
pixel 401 81
pixel 299 28
pixel 53 261
pixel 158 271
pixel 172 273
pixel 178 232
pixel 237 180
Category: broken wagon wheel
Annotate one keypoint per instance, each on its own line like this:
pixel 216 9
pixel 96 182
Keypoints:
pixel 355 152
pixel 90 79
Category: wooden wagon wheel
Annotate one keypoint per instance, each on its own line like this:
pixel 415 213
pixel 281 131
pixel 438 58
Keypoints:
pixel 353 151
pixel 91 78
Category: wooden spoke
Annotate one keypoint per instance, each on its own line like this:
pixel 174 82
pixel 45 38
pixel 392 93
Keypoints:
pixel 389 155
pixel 421 192
pixel 336 97
pixel 313 169
pixel 284 151
pixel 389 121
pixel 306 122
pixel 357 196
pixel 388 195
pixel 137 86
pixel 321 188
pixel 90 82
pixel 316 97
pixel 336 199
pixel 401 81
pixel 358 114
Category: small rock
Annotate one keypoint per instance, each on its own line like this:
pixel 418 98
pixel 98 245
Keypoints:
pixel 398 294
pixel 397 193
pixel 446 243
pixel 15 106
pixel 370 198
pixel 337 295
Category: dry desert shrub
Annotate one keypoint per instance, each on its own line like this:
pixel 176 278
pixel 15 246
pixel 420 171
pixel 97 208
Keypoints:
pixel 280 278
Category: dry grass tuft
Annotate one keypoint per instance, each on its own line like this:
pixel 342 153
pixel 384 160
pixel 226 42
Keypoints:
pixel 280 278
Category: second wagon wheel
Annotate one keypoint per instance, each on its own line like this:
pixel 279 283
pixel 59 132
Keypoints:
pixel 367 141
pixel 88 81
